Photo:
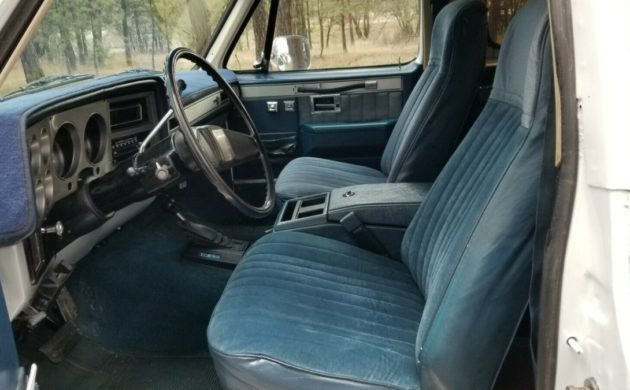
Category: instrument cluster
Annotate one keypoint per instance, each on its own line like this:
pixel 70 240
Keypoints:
pixel 67 149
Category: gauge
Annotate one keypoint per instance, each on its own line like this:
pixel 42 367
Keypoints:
pixel 94 139
pixel 36 156
pixel 64 153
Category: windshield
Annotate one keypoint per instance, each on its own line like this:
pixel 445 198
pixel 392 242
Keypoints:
pixel 78 39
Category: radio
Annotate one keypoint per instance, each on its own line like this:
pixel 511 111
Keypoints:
pixel 124 148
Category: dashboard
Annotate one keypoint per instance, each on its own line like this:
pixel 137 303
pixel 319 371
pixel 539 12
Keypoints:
pixel 74 143
pixel 77 145
pixel 77 138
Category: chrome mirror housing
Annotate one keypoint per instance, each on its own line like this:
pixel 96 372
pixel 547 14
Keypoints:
pixel 290 52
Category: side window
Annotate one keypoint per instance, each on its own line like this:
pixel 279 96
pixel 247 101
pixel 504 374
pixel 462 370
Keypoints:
pixel 250 45
pixel 332 34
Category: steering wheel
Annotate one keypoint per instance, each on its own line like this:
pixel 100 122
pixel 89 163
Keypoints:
pixel 216 149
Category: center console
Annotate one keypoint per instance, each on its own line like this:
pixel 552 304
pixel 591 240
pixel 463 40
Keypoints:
pixel 384 210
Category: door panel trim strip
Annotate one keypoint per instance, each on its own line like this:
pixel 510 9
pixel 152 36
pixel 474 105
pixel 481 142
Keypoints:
pixel 291 89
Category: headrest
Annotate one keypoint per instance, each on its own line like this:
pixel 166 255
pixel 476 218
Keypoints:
pixel 466 14
pixel 516 81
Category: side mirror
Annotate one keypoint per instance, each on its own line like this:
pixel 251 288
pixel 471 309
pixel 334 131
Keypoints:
pixel 290 52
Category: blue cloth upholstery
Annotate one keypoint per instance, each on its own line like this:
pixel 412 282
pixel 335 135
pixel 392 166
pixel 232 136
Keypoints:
pixel 321 296
pixel 311 175
pixel 470 245
pixel 306 312
pixel 433 118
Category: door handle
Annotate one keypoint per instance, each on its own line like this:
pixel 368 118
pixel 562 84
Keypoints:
pixel 325 103
pixel 372 84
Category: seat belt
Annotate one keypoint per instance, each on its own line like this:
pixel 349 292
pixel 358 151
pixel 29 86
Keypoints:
pixel 364 238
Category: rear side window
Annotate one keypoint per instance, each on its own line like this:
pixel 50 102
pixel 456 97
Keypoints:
pixel 500 13
pixel 333 33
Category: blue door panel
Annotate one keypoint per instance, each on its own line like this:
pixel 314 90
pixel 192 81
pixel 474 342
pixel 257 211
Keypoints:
pixel 361 142
pixel 356 131
pixel 278 129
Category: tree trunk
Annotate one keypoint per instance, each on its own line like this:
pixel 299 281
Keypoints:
pixel 308 23
pixel 260 29
pixel 84 42
pixel 284 21
pixel 98 52
pixel 125 29
pixel 331 23
pixel 68 50
pixel 350 29
pixel 139 38
pixel 81 45
pixel 366 25
pixel 357 28
pixel 30 64
pixel 321 28
pixel 153 35
pixel 301 19
pixel 343 33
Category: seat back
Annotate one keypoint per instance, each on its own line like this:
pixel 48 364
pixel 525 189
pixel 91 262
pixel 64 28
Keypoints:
pixel 432 120
pixel 469 246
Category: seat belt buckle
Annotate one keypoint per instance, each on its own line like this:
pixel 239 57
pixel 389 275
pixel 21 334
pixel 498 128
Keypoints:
pixel 364 238
pixel 351 223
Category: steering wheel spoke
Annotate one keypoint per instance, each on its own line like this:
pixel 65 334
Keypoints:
pixel 214 148
pixel 224 148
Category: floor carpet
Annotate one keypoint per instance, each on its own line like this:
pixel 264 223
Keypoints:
pixel 135 293
pixel 143 312
pixel 89 365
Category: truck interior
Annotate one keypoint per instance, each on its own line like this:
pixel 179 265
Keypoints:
pixel 223 226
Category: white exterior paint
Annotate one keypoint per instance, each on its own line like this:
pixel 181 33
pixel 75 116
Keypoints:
pixel 595 305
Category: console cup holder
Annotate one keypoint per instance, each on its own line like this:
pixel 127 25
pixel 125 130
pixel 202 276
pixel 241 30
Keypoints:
pixel 309 207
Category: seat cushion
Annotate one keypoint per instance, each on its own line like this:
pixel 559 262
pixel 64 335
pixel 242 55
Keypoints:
pixel 310 175
pixel 306 311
